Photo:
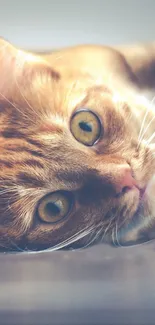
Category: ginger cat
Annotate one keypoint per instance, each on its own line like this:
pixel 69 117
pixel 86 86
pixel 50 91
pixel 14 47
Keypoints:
pixel 77 148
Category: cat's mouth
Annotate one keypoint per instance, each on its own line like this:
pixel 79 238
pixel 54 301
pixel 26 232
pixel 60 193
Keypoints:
pixel 142 193
pixel 141 225
pixel 135 221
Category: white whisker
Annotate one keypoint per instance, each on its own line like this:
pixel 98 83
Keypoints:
pixel 147 127
pixel 16 246
pixel 94 238
pixel 151 138
pixel 113 237
pixel 116 234
pixel 26 101
pixel 141 136
pixel 74 238
pixel 12 104
pixel 144 119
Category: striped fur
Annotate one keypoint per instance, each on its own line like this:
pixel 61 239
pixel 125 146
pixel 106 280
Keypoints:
pixel 38 154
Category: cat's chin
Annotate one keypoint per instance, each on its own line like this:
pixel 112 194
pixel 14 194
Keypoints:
pixel 142 226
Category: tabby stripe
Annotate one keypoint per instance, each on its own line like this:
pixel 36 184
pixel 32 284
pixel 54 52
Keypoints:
pixel 27 179
pixel 35 143
pixel 25 149
pixel 30 162
pixel 33 163
pixel 6 163
pixel 12 133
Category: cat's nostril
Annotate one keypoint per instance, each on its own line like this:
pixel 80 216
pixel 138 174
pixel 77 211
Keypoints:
pixel 125 189
pixel 125 181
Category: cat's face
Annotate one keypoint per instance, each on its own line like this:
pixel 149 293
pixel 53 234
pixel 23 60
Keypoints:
pixel 72 169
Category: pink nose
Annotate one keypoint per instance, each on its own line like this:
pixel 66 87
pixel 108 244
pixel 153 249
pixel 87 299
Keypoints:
pixel 125 180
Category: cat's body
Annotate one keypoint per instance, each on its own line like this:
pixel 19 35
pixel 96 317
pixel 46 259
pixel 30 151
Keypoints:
pixel 74 166
pixel 134 65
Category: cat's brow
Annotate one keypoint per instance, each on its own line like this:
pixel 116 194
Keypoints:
pixel 90 91
pixel 24 178
pixel 78 176
pixel 98 88
pixel 25 149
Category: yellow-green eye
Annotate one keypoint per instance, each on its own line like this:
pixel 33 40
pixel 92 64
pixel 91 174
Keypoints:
pixel 55 206
pixel 86 127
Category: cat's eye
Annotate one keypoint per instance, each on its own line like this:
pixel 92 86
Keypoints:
pixel 85 127
pixel 55 206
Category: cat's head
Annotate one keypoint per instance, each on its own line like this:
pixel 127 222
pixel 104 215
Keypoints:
pixel 73 168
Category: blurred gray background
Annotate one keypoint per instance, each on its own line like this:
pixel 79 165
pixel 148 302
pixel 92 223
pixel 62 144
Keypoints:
pixel 46 24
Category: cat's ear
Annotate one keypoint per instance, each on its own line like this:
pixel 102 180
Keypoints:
pixel 19 67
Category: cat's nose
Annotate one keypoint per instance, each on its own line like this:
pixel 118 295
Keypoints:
pixel 125 180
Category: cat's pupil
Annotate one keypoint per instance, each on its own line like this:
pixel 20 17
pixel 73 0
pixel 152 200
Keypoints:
pixel 52 209
pixel 85 126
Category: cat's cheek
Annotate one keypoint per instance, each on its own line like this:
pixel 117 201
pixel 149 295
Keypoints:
pixel 149 197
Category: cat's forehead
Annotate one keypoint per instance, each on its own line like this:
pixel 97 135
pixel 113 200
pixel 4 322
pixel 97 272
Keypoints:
pixel 41 90
pixel 46 84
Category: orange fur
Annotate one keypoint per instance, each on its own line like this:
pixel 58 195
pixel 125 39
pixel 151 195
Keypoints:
pixel 39 155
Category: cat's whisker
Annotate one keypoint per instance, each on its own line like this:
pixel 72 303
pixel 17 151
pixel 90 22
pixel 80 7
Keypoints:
pixel 79 235
pixel 95 237
pixel 150 139
pixel 144 119
pixel 16 246
pixel 113 237
pixel 72 239
pixel 12 104
pixel 26 101
pixel 107 228
pixel 100 231
pixel 91 240
pixel 5 248
pixel 116 235
pixel 148 125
